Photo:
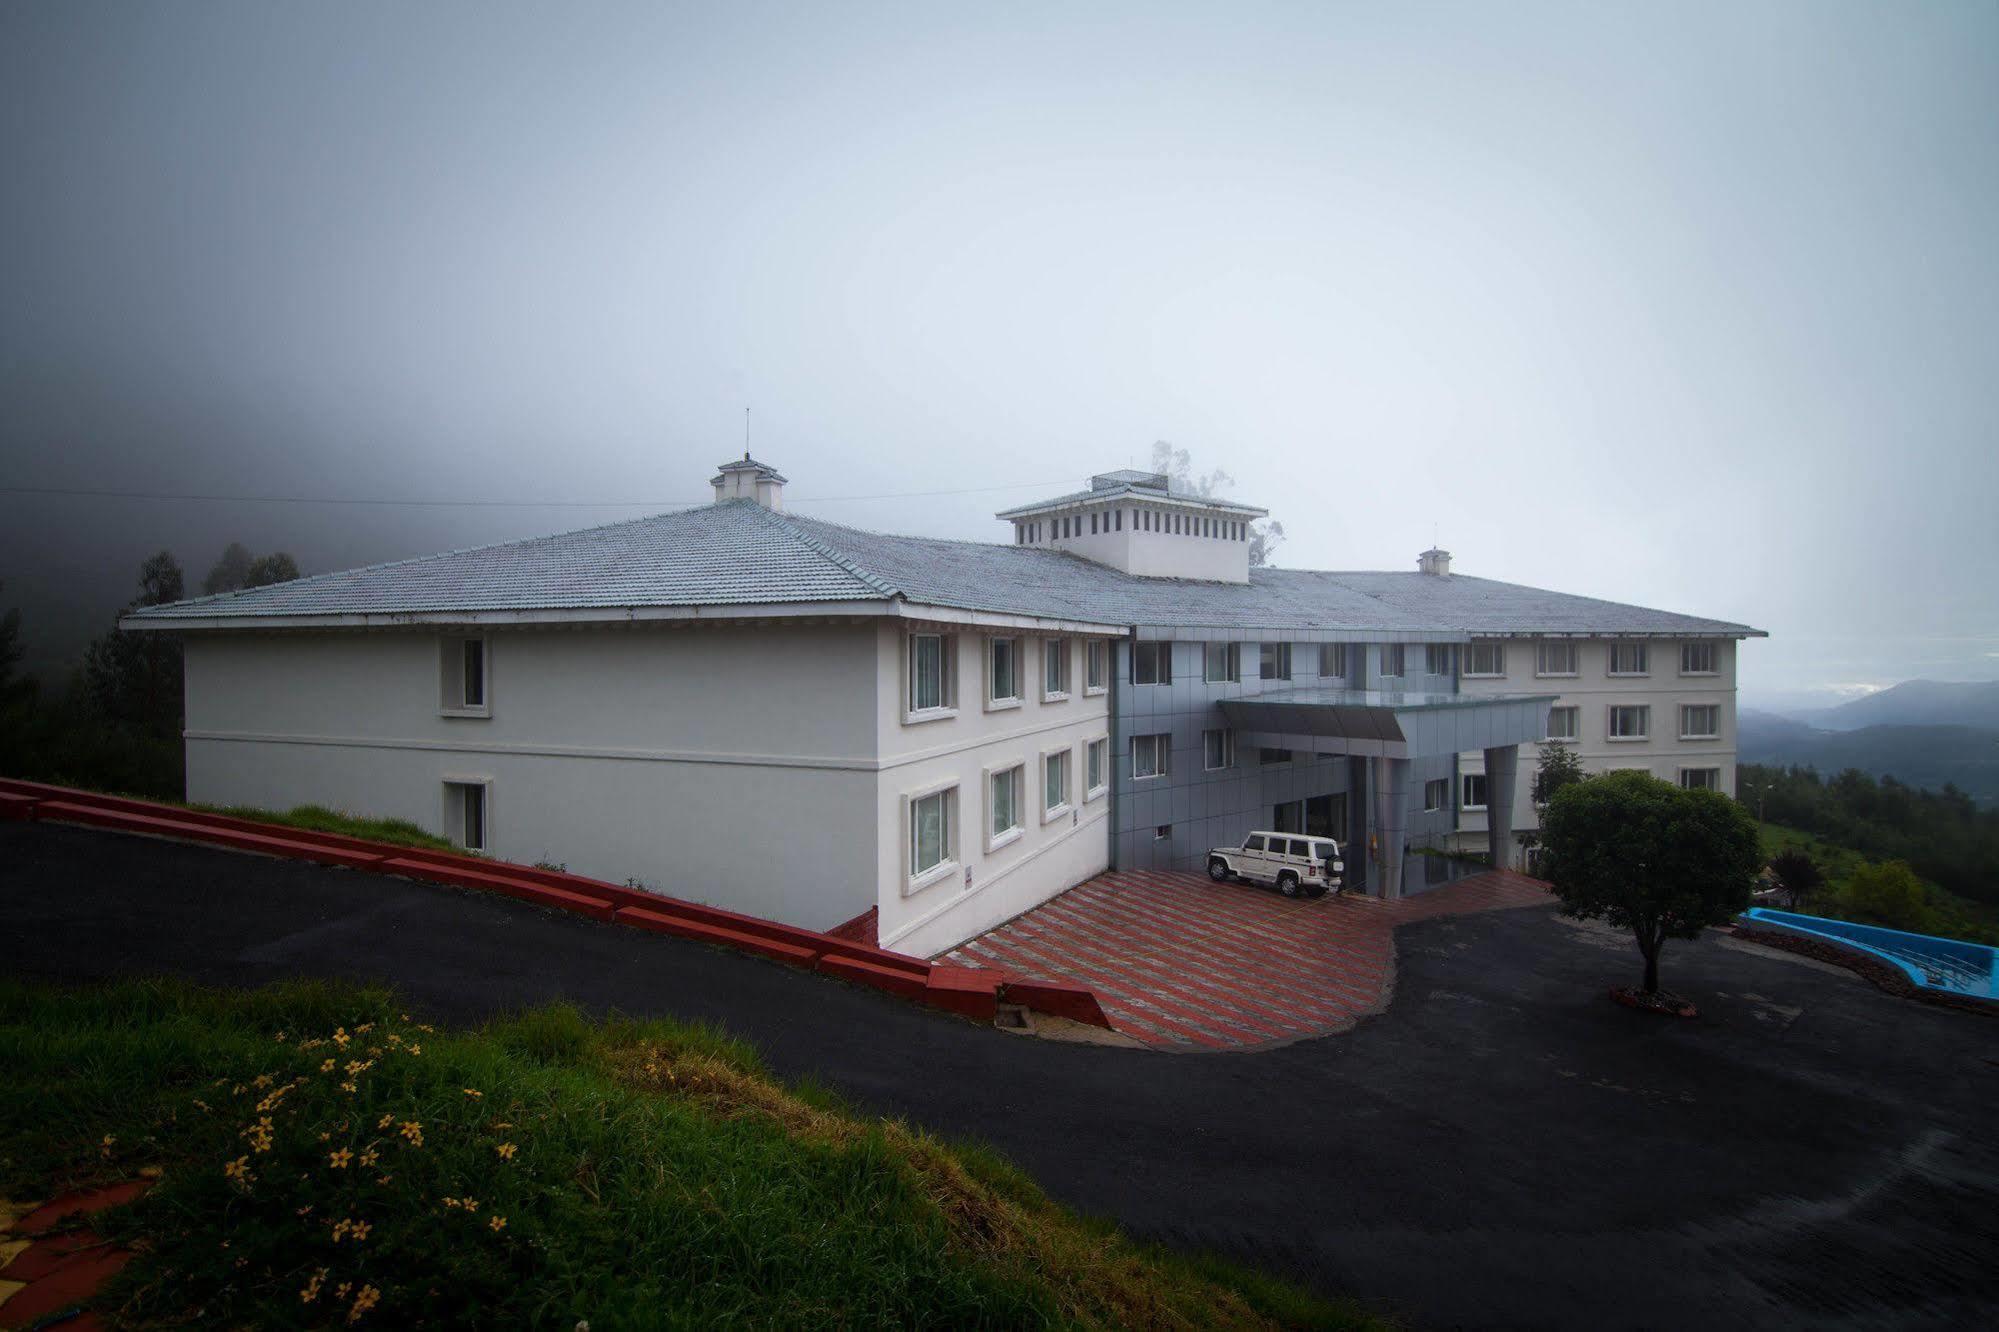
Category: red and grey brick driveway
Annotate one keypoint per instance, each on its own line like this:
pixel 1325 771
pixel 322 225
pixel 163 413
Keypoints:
pixel 1182 963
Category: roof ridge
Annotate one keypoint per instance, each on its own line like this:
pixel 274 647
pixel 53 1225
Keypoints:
pixel 840 559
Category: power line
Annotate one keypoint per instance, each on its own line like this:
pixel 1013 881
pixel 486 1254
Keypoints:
pixel 500 504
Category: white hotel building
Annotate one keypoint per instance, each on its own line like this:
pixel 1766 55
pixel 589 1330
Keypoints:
pixel 737 705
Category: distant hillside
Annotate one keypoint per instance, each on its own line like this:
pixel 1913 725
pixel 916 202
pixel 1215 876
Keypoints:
pixel 1918 703
pixel 1924 756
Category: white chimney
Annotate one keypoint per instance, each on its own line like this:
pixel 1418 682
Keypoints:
pixel 751 480
pixel 1435 562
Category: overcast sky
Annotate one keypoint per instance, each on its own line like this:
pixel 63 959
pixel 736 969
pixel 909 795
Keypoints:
pixel 1686 305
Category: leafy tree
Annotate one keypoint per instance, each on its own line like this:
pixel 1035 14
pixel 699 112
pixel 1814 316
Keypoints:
pixel 1559 767
pixel 1887 893
pixel 135 678
pixel 1797 874
pixel 279 567
pixel 1649 857
pixel 13 688
pixel 1178 467
pixel 230 572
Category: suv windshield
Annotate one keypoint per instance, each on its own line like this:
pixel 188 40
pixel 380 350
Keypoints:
pixel 1326 850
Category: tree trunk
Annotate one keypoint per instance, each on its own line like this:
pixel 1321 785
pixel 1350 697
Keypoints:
pixel 1651 952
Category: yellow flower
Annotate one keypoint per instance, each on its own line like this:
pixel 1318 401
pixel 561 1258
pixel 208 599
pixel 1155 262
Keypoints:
pixel 279 1038
pixel 365 1299
pixel 310 1290
pixel 370 1156
pixel 340 1291
pixel 449 1202
pixel 340 1229
pixel 361 1229
pixel 364 1028
pixel 497 1224
pixel 305 1210
pixel 474 1093
pixel 338 1160
pixel 506 1151
pixel 262 1080
pixel 416 1049
pixel 106 1148
pixel 383 1179
pixel 238 1170
pixel 340 1036
pixel 329 1066
pixel 347 1087
pixel 470 1204
pixel 385 1121
pixel 412 1131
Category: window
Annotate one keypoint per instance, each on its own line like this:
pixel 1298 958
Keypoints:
pixel 1093 524
pixel 1435 794
pixel 1697 659
pixel 1253 843
pixel 465 814
pixel 1005 799
pixel 1333 660
pixel 1554 658
pixel 1700 721
pixel 1562 724
pixel 1097 767
pixel 1002 671
pixel 1630 723
pixel 1628 659
pixel 1055 781
pixel 1162 833
pixel 1055 668
pixel 1701 779
pixel 1437 659
pixel 1473 791
pixel 1274 661
pixel 462 678
pixel 930 819
pixel 1097 656
pixel 1117 519
pixel 1392 661
pixel 932 673
pixel 1273 756
pixel 1217 750
pixel 1221 662
pixel 1487 659
pixel 1151 755
pixel 1151 663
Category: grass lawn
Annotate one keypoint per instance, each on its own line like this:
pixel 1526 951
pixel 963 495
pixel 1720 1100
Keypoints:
pixel 318 818
pixel 327 1161
pixel 1951 916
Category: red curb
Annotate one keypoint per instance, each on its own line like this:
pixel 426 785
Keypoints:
pixel 896 973
pixel 975 994
pixel 61 1290
pixel 81 1203
pixel 45 1256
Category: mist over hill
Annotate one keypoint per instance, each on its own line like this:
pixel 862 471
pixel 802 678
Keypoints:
pixel 1927 756
pixel 1917 703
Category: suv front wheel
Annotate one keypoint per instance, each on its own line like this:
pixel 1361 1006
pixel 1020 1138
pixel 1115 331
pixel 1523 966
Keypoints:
pixel 1218 870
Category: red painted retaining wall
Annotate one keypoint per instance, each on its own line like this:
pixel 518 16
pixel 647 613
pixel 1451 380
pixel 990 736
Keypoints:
pixel 973 992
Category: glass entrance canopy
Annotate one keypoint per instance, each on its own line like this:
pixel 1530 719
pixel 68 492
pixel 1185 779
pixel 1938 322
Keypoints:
pixel 1380 723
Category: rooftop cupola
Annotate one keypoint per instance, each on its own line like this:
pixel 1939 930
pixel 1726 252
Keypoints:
pixel 1435 562
pixel 1138 523
pixel 751 480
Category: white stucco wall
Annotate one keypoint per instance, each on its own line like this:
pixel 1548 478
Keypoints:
pixel 1593 691
pixel 984 886
pixel 721 764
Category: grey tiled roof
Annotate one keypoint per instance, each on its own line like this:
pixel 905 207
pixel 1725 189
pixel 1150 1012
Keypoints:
pixel 737 553
pixel 1120 488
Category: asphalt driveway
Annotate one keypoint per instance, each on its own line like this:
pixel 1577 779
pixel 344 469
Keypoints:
pixel 1501 1147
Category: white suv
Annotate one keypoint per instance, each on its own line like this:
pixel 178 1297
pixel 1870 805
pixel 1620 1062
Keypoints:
pixel 1294 862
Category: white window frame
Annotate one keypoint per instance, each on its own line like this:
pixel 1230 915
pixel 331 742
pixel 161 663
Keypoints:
pixel 947 666
pixel 1638 645
pixel 1097 750
pixel 1162 660
pixel 914 880
pixel 1228 750
pixel 1685 773
pixel 1097 667
pixel 1437 659
pixel 1714 733
pixel 451 676
pixel 1275 656
pixel 1644 711
pixel 1541 667
pixel 1497 664
pixel 994 702
pixel 1575 715
pixel 1397 653
pixel 1713 650
pixel 453 818
pixel 1465 805
pixel 1436 795
pixel 1016 773
pixel 1335 655
pixel 1065 758
pixel 1161 745
pixel 1231 663
pixel 1054 652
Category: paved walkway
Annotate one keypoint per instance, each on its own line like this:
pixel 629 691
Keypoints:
pixel 1184 963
